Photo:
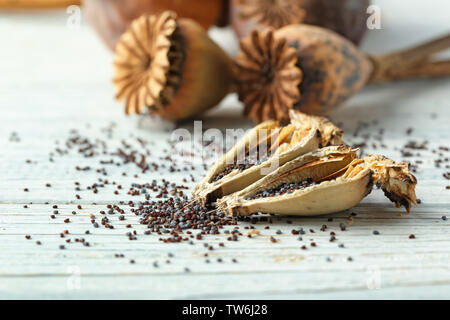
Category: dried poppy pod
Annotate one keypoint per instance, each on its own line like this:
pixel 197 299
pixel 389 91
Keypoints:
pixel 315 70
pixel 37 4
pixel 111 18
pixel 346 17
pixel 325 181
pixel 262 150
pixel 330 134
pixel 394 179
pixel 171 67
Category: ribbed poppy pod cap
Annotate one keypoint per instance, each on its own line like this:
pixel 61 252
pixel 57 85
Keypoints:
pixel 171 67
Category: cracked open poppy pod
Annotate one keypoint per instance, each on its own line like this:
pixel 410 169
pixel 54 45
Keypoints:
pixel 326 180
pixel 314 70
pixel 346 17
pixel 274 145
pixel 171 67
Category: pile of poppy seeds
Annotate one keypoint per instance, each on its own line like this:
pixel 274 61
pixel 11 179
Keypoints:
pixel 166 209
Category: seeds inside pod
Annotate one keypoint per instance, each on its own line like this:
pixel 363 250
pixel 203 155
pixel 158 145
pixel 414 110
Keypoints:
pixel 346 17
pixel 163 63
pixel 315 70
pixel 324 181
pixel 283 189
pixel 323 190
pixel 262 150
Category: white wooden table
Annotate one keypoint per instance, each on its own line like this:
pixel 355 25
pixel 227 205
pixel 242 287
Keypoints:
pixel 54 79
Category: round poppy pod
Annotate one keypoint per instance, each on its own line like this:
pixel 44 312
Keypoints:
pixel 315 70
pixel 300 67
pixel 170 67
pixel 111 17
pixel 346 17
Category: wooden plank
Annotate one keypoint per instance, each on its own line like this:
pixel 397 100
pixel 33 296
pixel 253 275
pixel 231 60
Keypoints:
pixel 219 286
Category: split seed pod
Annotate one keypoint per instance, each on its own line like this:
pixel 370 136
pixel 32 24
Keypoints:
pixel 394 178
pixel 346 17
pixel 327 180
pixel 315 70
pixel 111 18
pixel 171 66
pixel 262 150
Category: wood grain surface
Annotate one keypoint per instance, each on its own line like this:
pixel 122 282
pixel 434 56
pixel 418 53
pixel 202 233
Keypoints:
pixel 56 78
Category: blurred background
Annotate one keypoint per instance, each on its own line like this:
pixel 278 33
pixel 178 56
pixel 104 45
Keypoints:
pixel 56 62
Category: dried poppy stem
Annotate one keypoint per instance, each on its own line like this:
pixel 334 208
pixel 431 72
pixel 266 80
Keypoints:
pixel 314 70
pixel 414 62
pixel 428 70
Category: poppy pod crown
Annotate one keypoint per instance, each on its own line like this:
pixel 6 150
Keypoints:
pixel 170 66
pixel 346 17
pixel 315 70
pixel 298 67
